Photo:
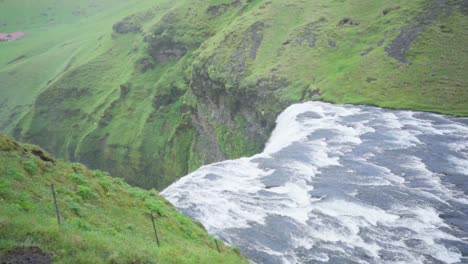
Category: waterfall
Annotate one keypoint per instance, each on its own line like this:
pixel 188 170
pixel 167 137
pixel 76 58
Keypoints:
pixel 341 184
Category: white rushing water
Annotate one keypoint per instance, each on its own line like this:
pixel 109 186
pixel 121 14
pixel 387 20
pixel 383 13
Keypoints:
pixel 341 184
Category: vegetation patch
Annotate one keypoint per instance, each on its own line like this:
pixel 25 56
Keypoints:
pixel 103 220
pixel 27 255
pixel 177 85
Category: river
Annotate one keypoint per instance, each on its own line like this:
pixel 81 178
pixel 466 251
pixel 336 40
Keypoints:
pixel 341 184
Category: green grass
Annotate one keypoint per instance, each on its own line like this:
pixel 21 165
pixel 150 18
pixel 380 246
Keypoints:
pixel 59 36
pixel 104 220
pixel 433 81
pixel 156 130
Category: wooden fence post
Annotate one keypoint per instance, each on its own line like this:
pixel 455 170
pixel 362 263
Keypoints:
pixel 217 247
pixel 55 203
pixel 155 231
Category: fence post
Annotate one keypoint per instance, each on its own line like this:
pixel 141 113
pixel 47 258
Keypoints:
pixel 217 247
pixel 55 203
pixel 155 231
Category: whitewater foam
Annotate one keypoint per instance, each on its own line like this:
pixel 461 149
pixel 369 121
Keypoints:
pixel 341 184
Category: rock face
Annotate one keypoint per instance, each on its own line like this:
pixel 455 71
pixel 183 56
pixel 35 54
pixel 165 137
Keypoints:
pixel 217 10
pixel 232 113
pixel 132 23
pixel 198 83
pixel 172 53
pixel 402 43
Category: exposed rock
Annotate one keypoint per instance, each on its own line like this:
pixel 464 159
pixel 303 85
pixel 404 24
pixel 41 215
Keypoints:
pixel 308 33
pixel 24 255
pixel 217 10
pixel 371 79
pixel 163 98
pixel 257 37
pixel 246 49
pixel 163 47
pixel 220 105
pixel 126 25
pixel 144 64
pixel 169 54
pixel 162 43
pixel 364 53
pixel 132 23
pixel 310 38
pixel 347 21
pixel 206 141
pixel 402 43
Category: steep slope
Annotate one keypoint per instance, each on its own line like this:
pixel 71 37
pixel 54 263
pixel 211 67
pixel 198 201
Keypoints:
pixel 104 220
pixel 180 85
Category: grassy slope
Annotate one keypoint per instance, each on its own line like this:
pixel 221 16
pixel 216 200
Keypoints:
pixel 59 36
pixel 432 81
pixel 146 132
pixel 104 220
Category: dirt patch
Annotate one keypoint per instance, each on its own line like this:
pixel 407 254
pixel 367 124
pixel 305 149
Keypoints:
pixel 42 155
pixel 26 255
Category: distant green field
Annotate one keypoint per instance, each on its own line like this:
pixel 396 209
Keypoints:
pixel 60 35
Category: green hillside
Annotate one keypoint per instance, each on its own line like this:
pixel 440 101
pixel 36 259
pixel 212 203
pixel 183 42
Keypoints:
pixel 150 90
pixel 103 219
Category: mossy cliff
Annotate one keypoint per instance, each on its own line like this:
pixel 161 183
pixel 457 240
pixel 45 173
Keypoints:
pixel 160 91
